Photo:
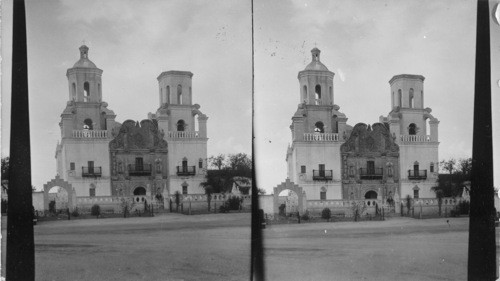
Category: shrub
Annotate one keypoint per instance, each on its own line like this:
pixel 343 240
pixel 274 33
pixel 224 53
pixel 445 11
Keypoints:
pixel 234 203
pixel 305 216
pixel 75 213
pixel 326 214
pixel 52 207
pixel 95 210
pixel 463 207
pixel 223 208
pixel 282 208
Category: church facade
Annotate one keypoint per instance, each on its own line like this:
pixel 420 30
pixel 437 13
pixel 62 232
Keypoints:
pixel 150 160
pixel 331 160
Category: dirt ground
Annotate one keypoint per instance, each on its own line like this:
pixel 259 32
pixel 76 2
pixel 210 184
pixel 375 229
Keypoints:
pixel 395 249
pixel 167 247
pixel 217 247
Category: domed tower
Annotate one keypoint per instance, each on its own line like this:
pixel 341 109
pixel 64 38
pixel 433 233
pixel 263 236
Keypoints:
pixel 86 126
pixel 185 129
pixel 316 82
pixel 415 130
pixel 318 130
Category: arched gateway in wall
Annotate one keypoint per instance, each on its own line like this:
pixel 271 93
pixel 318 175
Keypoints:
pixel 292 186
pixel 57 181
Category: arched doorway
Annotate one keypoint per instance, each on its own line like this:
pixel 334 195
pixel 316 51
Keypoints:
pixel 139 194
pixel 288 201
pixel 371 195
pixel 58 198
pixel 60 184
pixel 288 185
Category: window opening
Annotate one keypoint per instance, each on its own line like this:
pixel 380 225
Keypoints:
pixel 87 124
pixel 86 90
pixel 179 94
pixel 184 190
pixel 319 127
pixel 322 193
pixel 411 98
pixel 304 94
pixel 181 125
pixel 400 98
pixel 432 168
pixel 72 166
pixel 91 166
pixel 412 129
pixel 168 94
pixel 200 163
pixel 370 167
pixel 92 190
pixel 317 95
pixel 139 164
pixel 73 91
pixel 415 193
pixel 303 169
pixel 140 191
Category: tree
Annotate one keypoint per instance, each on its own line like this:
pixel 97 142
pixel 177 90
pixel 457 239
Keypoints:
pixel 126 206
pixel 408 204
pixel 177 195
pixel 208 192
pixel 262 191
pixel 5 168
pixel 236 166
pixel 451 183
pixel 217 161
pixel 358 208
pixel 439 196
pixel 95 211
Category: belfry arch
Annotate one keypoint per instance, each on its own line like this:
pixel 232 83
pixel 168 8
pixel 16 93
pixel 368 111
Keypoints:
pixel 293 187
pixel 57 181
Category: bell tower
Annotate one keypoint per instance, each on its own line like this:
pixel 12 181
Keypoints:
pixel 318 129
pixel 415 130
pixel 185 130
pixel 86 130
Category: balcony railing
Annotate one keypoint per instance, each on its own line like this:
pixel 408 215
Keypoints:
pixel 417 174
pixel 139 170
pixel 321 137
pixel 371 174
pixel 183 134
pixel 91 171
pixel 186 170
pixel 90 134
pixel 415 138
pixel 322 175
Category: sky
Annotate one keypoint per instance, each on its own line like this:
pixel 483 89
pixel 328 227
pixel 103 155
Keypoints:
pixel 133 42
pixel 365 43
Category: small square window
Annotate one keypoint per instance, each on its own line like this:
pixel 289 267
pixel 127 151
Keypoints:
pixel 72 166
pixel 303 169
pixel 184 190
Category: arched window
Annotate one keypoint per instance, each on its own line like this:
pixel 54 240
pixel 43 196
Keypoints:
pixel 322 193
pixel 99 90
pixel 103 121
pixel 331 95
pixel 181 125
pixel 168 94
pixel 393 101
pixel 162 99
pixel 400 98
pixel 427 127
pixel 86 91
pixel 411 99
pixel 196 122
pixel 73 91
pixel 317 94
pixel 371 195
pixel 179 94
pixel 87 124
pixel 304 93
pixel 412 129
pixel 319 127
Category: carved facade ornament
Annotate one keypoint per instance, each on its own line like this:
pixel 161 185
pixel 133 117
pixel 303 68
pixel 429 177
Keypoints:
pixel 135 135
pixel 368 139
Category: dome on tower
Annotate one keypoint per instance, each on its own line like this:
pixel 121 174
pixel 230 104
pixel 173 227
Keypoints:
pixel 84 61
pixel 316 64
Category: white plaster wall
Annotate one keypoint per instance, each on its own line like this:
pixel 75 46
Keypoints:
pixel 194 186
pixel 413 116
pixel 82 186
pixel 313 189
pixel 80 151
pixel 424 153
pixel 192 149
pixel 311 154
pixel 38 200
pixel 181 112
pixel 425 189
pixel 266 203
